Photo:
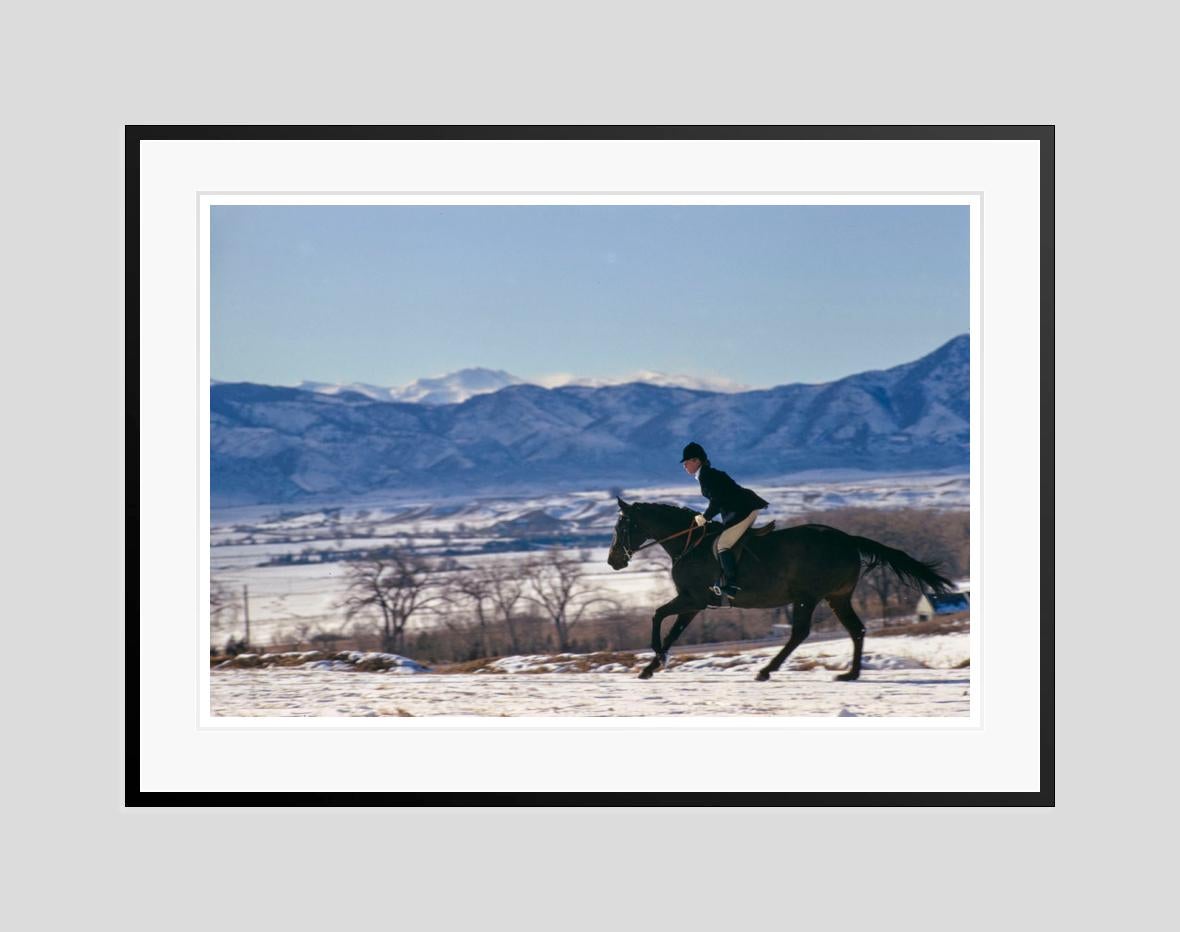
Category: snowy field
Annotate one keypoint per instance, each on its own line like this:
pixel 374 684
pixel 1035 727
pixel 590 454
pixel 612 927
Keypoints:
pixel 902 676
pixel 293 558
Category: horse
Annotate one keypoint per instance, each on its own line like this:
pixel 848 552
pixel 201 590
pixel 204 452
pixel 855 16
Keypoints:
pixel 797 566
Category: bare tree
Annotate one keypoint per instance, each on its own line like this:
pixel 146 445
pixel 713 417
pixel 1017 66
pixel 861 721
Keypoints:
pixel 491 597
pixel 556 585
pixel 394 587
pixel 223 608
pixel 328 639
pixel 882 583
pixel 302 632
pixel 470 590
pixel 505 588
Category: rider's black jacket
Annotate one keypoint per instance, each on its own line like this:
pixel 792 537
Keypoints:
pixel 726 497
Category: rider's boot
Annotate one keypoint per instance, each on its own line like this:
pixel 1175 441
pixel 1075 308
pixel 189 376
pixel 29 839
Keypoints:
pixel 729 569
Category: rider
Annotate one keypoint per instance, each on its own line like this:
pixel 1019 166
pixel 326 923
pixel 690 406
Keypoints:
pixel 738 508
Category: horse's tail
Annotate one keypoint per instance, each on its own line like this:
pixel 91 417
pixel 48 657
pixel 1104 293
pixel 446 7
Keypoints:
pixel 908 570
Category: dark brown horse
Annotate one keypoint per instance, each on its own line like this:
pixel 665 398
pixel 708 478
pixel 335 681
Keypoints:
pixel 798 566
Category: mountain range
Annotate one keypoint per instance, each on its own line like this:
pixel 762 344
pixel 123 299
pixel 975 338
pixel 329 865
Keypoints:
pixel 276 444
pixel 457 387
pixel 454 388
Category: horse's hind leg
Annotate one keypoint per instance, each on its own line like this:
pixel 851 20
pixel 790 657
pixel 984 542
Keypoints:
pixel 842 606
pixel 800 628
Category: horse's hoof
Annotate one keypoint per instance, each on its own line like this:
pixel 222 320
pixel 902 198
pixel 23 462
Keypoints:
pixel 847 677
pixel 762 677
pixel 646 673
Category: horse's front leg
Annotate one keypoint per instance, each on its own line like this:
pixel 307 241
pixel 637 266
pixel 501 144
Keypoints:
pixel 660 647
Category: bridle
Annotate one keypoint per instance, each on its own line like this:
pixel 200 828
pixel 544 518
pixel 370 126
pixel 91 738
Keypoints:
pixel 688 544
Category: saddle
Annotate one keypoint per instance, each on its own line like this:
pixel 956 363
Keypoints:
pixel 740 546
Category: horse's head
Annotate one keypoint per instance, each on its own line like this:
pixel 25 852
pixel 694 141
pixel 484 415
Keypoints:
pixel 628 537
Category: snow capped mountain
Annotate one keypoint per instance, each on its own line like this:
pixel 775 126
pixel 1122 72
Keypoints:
pixel 649 377
pixel 457 387
pixel 453 388
pixel 274 444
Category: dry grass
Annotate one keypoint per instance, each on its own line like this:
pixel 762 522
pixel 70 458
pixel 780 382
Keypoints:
pixel 295 660
pixel 242 661
pixel 602 658
pixel 369 664
pixel 483 664
pixel 945 624
pixel 580 663
pixel 264 659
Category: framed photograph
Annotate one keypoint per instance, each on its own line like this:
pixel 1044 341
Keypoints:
pixel 591 465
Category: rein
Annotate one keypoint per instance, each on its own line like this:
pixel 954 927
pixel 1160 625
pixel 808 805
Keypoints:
pixel 688 544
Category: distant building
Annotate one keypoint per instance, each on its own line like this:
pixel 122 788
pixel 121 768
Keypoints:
pixel 930 605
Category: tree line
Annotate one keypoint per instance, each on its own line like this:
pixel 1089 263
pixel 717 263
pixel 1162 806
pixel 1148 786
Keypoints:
pixel 401 601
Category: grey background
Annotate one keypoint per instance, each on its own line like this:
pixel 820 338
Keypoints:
pixel 75 74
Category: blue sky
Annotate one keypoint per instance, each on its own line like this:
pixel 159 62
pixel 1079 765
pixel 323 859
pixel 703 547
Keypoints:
pixel 759 295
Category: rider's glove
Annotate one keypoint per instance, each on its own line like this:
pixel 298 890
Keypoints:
pixel 700 520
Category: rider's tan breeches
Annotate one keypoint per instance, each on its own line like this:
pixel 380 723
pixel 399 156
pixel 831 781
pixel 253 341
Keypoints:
pixel 730 536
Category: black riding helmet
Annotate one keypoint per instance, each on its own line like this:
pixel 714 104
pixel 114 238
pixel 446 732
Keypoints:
pixel 694 451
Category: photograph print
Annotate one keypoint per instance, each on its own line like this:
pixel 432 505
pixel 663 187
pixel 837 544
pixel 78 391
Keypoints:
pixel 589 460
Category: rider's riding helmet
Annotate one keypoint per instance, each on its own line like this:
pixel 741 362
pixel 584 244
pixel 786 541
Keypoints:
pixel 694 451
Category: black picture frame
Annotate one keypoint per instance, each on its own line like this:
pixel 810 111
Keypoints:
pixel 136 135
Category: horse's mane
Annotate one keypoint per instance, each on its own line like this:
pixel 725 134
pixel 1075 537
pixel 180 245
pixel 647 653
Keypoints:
pixel 665 510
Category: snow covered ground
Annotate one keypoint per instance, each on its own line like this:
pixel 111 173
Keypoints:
pixel 902 676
